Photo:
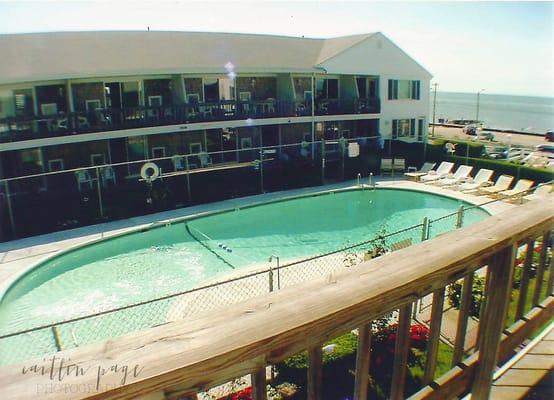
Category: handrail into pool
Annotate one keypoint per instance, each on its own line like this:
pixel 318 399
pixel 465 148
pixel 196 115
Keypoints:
pixel 181 358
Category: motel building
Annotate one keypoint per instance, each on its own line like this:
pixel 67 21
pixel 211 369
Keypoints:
pixel 98 126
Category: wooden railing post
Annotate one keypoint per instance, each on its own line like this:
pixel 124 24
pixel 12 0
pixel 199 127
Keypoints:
pixel 463 316
pixel 363 357
pixel 315 372
pixel 524 282
pixel 259 388
pixel 492 323
pixel 401 350
pixel 540 270
pixel 433 346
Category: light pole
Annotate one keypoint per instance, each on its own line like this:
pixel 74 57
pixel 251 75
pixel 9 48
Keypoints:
pixel 434 109
pixel 477 113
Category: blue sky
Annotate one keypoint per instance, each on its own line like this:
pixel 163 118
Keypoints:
pixel 502 47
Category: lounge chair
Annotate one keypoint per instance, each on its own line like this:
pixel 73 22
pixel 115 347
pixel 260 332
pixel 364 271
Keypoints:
pixel 482 179
pixel 521 187
pixel 461 174
pixel 501 184
pixel 443 170
pixel 541 192
pixel 424 170
pixel 386 166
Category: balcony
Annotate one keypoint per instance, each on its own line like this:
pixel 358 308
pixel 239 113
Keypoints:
pixel 179 359
pixel 62 124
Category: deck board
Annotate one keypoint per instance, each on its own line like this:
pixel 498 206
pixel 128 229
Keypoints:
pixel 531 377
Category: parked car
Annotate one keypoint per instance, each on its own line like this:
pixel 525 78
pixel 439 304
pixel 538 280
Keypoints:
pixel 498 152
pixel 549 136
pixel 484 135
pixel 470 130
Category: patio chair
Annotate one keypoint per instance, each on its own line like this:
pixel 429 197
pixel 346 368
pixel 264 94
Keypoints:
pixel 205 159
pixel 482 179
pixel 541 193
pixel 108 176
pixel 424 170
pixel 502 183
pixel 399 165
pixel 386 166
pixel 177 163
pixel 521 187
pixel 460 175
pixel 443 170
pixel 83 179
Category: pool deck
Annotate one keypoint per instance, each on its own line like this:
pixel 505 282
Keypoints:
pixel 18 256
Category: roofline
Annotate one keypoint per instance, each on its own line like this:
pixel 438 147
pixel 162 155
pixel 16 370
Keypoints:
pixel 368 36
pixel 407 55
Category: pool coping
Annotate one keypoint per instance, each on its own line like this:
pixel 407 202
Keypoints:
pixel 48 246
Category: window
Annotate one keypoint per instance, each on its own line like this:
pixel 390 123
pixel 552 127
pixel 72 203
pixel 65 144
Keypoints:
pixel 49 109
pixel 195 148
pixel 245 96
pixel 308 96
pixel 327 88
pixel 97 159
pixel 246 143
pixel 403 89
pixel 403 128
pixel 211 90
pixel 420 127
pixel 155 101
pixel 193 98
pixel 362 87
pixel 158 152
pixel 92 105
pixel 55 165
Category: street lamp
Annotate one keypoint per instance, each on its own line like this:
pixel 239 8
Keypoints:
pixel 477 113
pixel 434 108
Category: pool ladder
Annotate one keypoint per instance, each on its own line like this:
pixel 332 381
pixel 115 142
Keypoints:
pixel 371 183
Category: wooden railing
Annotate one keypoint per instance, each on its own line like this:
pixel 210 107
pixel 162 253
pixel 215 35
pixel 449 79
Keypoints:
pixel 179 359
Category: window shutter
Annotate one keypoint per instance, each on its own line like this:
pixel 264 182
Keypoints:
pixel 394 128
pixel 412 127
pixel 390 89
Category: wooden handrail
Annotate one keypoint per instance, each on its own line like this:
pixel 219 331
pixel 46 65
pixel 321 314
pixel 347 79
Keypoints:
pixel 186 356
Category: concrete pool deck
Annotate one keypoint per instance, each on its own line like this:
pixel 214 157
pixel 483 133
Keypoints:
pixel 18 256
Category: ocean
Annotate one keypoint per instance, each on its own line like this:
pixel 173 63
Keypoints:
pixel 523 113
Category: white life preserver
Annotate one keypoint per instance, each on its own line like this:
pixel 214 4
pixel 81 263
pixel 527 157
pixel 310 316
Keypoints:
pixel 150 172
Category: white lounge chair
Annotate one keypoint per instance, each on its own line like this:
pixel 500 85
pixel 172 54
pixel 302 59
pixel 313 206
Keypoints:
pixel 424 170
pixel 482 179
pixel 83 179
pixel 521 187
pixel 502 183
pixel 443 170
pixel 461 174
pixel 541 192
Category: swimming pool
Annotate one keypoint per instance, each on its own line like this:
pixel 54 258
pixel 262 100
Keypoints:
pixel 155 262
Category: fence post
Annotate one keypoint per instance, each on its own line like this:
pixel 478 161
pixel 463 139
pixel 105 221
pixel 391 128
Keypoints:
pixel 496 306
pixel 270 279
pixel 99 189
pixel 460 217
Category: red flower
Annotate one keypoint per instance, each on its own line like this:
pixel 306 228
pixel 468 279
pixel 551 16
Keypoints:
pixel 244 394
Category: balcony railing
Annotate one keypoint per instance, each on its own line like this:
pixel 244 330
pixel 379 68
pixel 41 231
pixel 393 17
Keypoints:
pixel 27 128
pixel 179 359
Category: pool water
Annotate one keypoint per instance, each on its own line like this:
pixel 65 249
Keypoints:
pixel 169 259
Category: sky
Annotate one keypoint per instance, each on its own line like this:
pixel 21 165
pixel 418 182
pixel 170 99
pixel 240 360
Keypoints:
pixel 502 47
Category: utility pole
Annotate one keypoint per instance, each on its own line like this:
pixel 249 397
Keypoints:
pixel 434 109
pixel 477 113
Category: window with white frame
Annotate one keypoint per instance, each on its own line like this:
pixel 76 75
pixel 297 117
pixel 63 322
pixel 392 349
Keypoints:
pixel 158 152
pixel 195 148
pixel 97 159
pixel 403 128
pixel 55 164
pixel 155 101
pixel 92 105
pixel 401 89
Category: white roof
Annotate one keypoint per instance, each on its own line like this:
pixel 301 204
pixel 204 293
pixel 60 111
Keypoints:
pixel 65 55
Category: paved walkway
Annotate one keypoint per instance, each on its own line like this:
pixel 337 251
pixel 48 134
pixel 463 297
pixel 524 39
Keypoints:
pixel 530 374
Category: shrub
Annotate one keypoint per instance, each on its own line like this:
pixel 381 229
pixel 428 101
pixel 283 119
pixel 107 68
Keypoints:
pixel 477 295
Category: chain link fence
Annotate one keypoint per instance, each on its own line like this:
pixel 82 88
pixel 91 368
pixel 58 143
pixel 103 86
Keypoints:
pixel 40 341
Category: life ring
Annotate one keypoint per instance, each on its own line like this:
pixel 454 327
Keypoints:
pixel 150 172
